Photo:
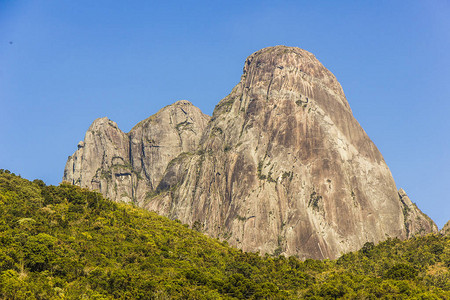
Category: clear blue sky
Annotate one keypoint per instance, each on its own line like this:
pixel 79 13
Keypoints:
pixel 65 63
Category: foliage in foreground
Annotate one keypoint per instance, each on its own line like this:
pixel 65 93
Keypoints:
pixel 69 243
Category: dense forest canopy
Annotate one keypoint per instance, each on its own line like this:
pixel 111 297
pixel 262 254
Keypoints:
pixel 65 242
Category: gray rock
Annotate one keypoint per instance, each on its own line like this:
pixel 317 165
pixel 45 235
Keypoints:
pixel 102 161
pixel 127 167
pixel 157 140
pixel 416 222
pixel 282 167
pixel 446 229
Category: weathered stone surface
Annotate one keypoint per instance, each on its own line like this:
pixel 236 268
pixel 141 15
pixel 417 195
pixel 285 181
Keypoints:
pixel 416 222
pixel 126 167
pixel 157 140
pixel 102 161
pixel 282 167
pixel 446 229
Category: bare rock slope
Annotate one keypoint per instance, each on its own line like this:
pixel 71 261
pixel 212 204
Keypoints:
pixel 446 229
pixel 102 161
pixel 282 167
pixel 127 167
pixel 416 222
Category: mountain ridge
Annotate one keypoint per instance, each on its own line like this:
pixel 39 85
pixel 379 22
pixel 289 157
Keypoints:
pixel 115 159
pixel 282 166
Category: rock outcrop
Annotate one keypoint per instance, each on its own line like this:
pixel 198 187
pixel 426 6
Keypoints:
pixel 102 161
pixel 282 167
pixel 416 222
pixel 127 167
pixel 160 138
pixel 446 229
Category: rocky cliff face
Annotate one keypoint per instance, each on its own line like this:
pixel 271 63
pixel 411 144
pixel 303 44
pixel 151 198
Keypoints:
pixel 127 167
pixel 157 140
pixel 102 161
pixel 416 222
pixel 446 229
pixel 282 167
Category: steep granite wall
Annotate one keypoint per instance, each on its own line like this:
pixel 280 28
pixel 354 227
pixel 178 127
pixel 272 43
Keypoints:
pixel 446 229
pixel 282 167
pixel 416 222
pixel 127 167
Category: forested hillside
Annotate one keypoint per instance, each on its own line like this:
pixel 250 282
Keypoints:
pixel 65 242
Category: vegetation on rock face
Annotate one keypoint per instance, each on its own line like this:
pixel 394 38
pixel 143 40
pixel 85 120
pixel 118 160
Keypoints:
pixel 70 243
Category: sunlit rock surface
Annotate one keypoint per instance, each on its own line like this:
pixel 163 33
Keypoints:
pixel 282 167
